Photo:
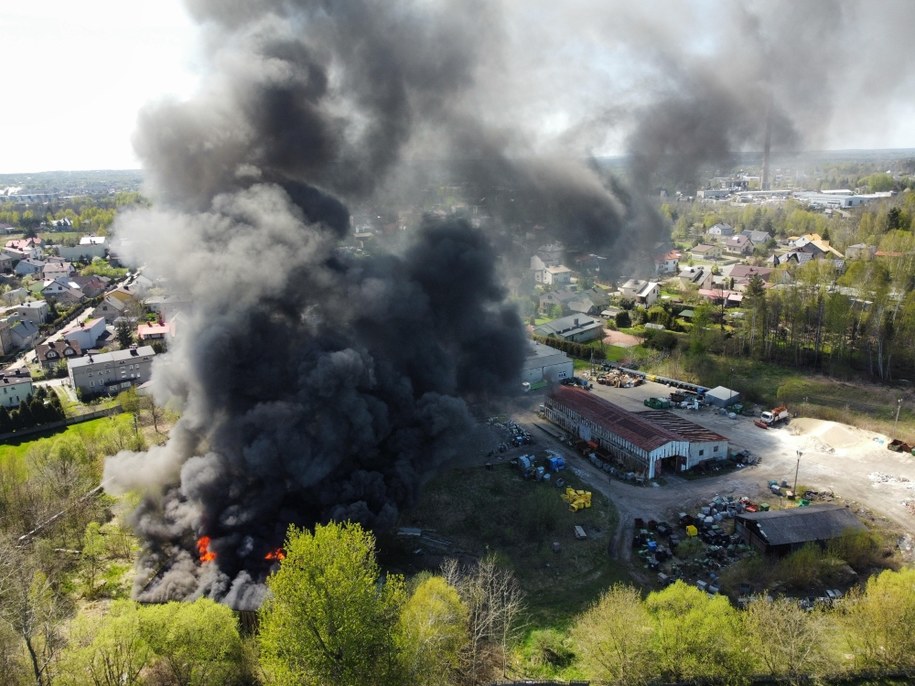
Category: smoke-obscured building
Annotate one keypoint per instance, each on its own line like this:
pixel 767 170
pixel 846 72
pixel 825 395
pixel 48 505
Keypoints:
pixel 577 328
pixel 544 363
pixel 646 442
pixel 110 373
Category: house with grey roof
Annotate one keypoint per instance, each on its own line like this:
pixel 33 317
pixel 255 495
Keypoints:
pixel 577 328
pixel 110 373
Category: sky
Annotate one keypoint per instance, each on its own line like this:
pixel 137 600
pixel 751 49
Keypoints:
pixel 574 73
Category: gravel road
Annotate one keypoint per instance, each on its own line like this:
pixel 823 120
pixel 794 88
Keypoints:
pixel 852 463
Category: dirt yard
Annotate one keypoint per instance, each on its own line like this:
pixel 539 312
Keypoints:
pixel 852 463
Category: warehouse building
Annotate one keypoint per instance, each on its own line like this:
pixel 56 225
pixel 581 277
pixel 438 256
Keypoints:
pixel 544 363
pixel 782 531
pixel 649 442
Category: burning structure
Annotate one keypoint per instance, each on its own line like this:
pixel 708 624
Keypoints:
pixel 315 385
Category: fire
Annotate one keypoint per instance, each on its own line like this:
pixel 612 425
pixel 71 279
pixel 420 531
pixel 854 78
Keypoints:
pixel 277 554
pixel 203 548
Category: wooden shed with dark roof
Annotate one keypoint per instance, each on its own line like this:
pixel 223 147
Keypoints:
pixel 782 531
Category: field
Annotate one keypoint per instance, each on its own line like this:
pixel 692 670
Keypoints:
pixel 484 511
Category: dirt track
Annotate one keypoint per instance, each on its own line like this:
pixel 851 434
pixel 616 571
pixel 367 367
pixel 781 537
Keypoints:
pixel 852 463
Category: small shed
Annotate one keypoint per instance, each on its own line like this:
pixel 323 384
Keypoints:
pixel 781 531
pixel 721 396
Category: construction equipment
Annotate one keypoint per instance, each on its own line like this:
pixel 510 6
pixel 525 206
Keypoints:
pixel 577 499
pixel 775 415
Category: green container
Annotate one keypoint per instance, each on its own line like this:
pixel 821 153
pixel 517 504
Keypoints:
pixel 764 507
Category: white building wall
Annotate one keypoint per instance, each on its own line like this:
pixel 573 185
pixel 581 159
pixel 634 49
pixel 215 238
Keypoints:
pixel 11 394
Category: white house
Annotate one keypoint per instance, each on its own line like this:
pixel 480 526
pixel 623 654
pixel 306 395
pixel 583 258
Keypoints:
pixel 643 292
pixel 88 248
pixel 86 334
pixel 557 276
pixel 15 386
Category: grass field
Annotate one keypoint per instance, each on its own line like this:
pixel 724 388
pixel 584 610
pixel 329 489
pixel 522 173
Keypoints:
pixel 497 511
pixel 14 451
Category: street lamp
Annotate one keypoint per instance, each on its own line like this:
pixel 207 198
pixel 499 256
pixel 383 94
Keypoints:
pixel 796 469
pixel 898 407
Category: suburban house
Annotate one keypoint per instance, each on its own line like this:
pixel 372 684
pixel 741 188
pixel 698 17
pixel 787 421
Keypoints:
pixel 15 386
pixel 743 273
pixel 559 275
pixel 89 247
pixel 545 257
pixel 87 333
pixel 31 247
pixel 118 303
pixel 54 269
pixel 110 373
pixel 561 297
pixel 693 276
pixel 814 244
pixel 718 296
pixel 22 334
pixel 153 332
pixel 61 290
pixel 643 292
pixel 51 353
pixel 668 262
pixel 706 251
pixel 577 328
pixel 29 266
pixel 35 311
pixel 757 237
pixel 782 531
pixel 720 230
pixel 738 245
pixel 6 261
pixel 797 257
pixel 91 286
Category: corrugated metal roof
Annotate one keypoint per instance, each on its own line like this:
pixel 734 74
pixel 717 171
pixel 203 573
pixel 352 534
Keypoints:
pixel 680 427
pixel 629 426
pixel 802 524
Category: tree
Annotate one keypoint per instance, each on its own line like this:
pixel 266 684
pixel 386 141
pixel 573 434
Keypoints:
pixel 433 633
pixel 790 642
pixel 110 652
pixel 123 334
pixel 877 621
pixel 330 621
pixel 613 638
pixel 194 644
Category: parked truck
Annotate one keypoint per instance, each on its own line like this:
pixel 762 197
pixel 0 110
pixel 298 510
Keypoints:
pixel 775 415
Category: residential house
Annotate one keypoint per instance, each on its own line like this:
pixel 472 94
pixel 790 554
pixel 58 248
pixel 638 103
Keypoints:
pixel 31 247
pixel 6 261
pixel 668 263
pixel 118 303
pixel 22 334
pixel 54 269
pixel 757 237
pixel 717 296
pixel 545 257
pixel 85 333
pixel 91 286
pixel 860 251
pixel 557 276
pixel 29 267
pixel 110 373
pixel 61 290
pixel 699 277
pixel 15 296
pixel 153 332
pixel 706 251
pixel 51 353
pixel 743 273
pixel 738 245
pixel 577 328
pixel 560 297
pixel 796 257
pixel 35 311
pixel 720 230
pixel 89 247
pixel 15 386
pixel 643 292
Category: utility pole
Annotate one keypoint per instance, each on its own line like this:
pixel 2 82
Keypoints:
pixel 796 470
pixel 898 407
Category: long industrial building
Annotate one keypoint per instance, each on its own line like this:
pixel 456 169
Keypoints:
pixel 650 442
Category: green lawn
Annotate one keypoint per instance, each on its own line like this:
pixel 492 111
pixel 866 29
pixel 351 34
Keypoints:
pixel 14 451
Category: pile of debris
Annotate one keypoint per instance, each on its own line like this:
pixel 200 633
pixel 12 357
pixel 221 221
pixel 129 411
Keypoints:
pixel 515 435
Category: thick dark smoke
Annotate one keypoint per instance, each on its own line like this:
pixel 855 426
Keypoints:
pixel 315 385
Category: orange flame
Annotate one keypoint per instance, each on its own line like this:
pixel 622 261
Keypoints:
pixel 277 554
pixel 203 548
